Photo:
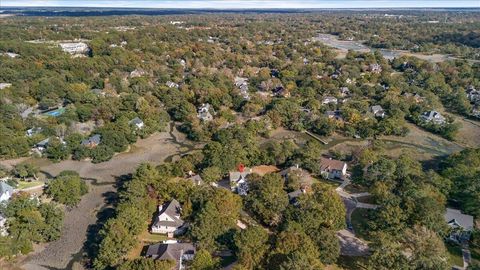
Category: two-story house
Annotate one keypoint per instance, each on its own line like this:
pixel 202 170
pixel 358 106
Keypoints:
pixel 168 220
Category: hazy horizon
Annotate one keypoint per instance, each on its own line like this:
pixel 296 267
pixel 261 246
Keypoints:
pixel 243 4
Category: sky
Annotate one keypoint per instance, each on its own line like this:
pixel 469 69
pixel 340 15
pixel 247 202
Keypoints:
pixel 236 4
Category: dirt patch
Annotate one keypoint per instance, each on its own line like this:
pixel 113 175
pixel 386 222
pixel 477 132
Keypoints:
pixel 264 169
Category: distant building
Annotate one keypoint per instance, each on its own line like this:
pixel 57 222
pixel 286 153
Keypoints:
pixel 378 111
pixel 168 220
pixel 337 115
pixel 10 54
pixel 92 141
pixel 5 85
pixel 6 191
pixel 42 145
pixel 33 131
pixel 375 68
pixel 433 117
pixel 332 169
pixel 178 252
pixel 204 113
pixel 172 84
pixel 344 91
pixel 137 122
pixel 461 225
pixel 75 47
pixel 295 171
pixel 330 100
pixel 280 91
pixel 238 180
pixel 196 179
pixel 242 84
pixel 138 73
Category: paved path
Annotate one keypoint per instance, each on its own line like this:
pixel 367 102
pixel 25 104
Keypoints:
pixel 467 257
pixel 350 245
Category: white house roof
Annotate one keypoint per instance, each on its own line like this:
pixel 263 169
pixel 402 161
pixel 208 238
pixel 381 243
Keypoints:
pixel 4 187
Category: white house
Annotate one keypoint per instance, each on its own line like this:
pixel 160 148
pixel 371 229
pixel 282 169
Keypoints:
pixel 329 100
pixel 204 113
pixel 168 220
pixel 6 191
pixel 461 225
pixel 4 85
pixel 433 117
pixel 238 180
pixel 171 84
pixel 137 122
pixel 74 47
pixel 378 111
pixel 331 168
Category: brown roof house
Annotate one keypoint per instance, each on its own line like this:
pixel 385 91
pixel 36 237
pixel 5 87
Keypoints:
pixel 168 220
pixel 178 252
pixel 332 169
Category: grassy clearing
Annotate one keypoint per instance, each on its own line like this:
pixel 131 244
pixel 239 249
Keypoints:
pixel 353 188
pixel 359 222
pixel 455 253
pixel 152 238
pixel 26 184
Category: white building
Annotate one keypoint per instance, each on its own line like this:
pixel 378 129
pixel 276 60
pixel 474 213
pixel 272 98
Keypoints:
pixel 168 220
pixel 74 47
pixel 4 85
pixel 238 180
pixel 204 113
pixel 378 111
pixel 6 191
pixel 433 117
pixel 331 168
pixel 330 100
pixel 137 122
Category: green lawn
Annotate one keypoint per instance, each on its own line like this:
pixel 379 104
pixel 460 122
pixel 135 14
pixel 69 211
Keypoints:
pixel 359 222
pixel 25 184
pixel 455 253
pixel 153 238
pixel 353 188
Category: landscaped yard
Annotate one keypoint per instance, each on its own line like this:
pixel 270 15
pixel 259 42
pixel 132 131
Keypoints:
pixel 359 222
pixel 455 253
pixel 26 184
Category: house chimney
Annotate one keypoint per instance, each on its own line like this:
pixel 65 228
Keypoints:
pixel 241 167
pixel 160 207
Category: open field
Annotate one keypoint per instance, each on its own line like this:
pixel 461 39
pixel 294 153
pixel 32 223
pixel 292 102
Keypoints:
pixel 31 184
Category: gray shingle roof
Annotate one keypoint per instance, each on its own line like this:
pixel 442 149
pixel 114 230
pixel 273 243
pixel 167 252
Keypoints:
pixel 455 217
pixel 4 187
pixel 95 139
pixel 171 251
pixel 173 210
pixel 136 121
